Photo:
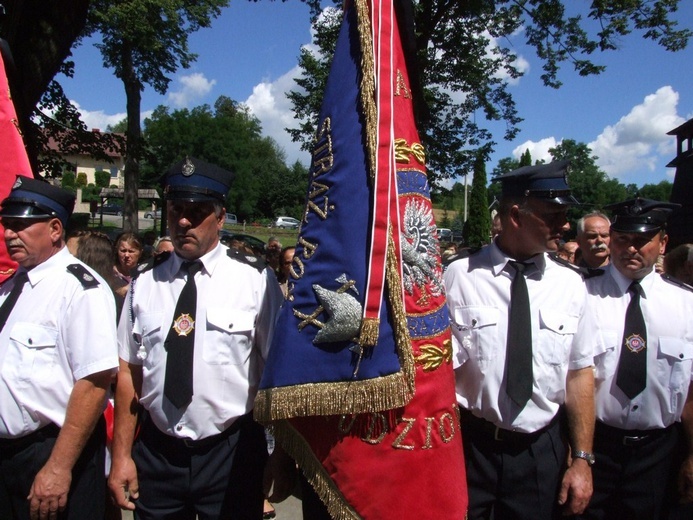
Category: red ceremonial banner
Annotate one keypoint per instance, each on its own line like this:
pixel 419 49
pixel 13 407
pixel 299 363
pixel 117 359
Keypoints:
pixel 375 441
pixel 13 159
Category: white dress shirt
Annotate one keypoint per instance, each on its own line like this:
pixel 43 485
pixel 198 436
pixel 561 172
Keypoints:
pixel 58 332
pixel 478 296
pixel 236 310
pixel 668 312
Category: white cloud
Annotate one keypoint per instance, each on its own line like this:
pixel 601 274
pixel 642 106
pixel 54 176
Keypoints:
pixel 193 88
pixel 538 150
pixel 639 140
pixel 98 119
pixel 269 104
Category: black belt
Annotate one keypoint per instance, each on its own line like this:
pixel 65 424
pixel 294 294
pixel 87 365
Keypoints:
pixel 50 431
pixel 628 437
pixel 152 436
pixel 491 432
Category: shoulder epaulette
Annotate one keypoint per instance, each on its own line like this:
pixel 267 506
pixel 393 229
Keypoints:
pixel 246 258
pixel 86 278
pixel 676 281
pixel 585 272
pixel 152 263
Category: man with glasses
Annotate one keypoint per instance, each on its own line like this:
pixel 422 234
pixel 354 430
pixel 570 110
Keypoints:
pixel 521 355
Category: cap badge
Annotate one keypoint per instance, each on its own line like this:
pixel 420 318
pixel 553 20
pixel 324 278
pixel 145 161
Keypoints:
pixel 635 343
pixel 188 168
pixel 17 183
pixel 636 208
pixel 183 324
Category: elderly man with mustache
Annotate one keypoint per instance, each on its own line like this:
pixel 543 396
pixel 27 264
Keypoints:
pixel 643 361
pixel 57 357
pixel 593 239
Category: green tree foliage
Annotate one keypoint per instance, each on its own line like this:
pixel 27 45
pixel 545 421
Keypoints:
pixel 661 191
pixel 81 181
pixel 466 60
pixel 69 180
pixel 144 42
pixel 229 136
pixel 477 229
pixel 102 179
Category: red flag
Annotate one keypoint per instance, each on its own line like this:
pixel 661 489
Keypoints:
pixel 13 159
pixel 359 384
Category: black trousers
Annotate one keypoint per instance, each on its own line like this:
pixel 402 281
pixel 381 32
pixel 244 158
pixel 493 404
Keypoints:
pixel 213 479
pixel 633 473
pixel 21 461
pixel 512 476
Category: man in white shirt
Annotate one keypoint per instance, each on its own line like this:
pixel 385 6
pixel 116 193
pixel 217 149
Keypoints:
pixel 511 419
pixel 643 363
pixel 192 345
pixel 57 358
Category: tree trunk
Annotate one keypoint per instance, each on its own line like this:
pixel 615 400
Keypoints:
pixel 133 141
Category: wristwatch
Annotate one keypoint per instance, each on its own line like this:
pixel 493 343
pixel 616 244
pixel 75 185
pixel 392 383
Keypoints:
pixel 589 457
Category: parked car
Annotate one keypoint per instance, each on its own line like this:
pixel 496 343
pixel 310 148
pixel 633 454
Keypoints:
pixel 111 209
pixel 286 223
pixel 231 219
pixel 444 234
pixel 227 238
pixel 153 214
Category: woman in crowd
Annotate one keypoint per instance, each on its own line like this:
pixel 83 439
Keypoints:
pixel 128 251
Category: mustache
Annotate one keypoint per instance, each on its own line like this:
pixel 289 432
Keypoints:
pixel 14 243
pixel 599 247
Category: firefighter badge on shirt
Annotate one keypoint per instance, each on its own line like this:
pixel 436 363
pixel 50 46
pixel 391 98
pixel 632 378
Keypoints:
pixel 635 343
pixel 184 324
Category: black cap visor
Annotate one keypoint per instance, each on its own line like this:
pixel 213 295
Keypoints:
pixel 28 210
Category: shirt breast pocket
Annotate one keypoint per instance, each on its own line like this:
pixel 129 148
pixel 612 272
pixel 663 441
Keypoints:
pixel 606 355
pixel 676 356
pixel 477 326
pixel 36 347
pixel 556 331
pixel 149 327
pixel 229 336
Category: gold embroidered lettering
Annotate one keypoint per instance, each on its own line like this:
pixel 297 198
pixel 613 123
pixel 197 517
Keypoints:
pixel 403 151
pixel 323 157
pixel 308 248
pixel 297 263
pixel 320 212
pixel 407 428
pixel 346 428
pixel 446 417
pixel 429 427
pixel 316 189
pixel 402 86
pixel 377 423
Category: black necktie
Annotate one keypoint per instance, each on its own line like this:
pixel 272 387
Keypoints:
pixel 19 280
pixel 632 363
pixel 518 357
pixel 180 342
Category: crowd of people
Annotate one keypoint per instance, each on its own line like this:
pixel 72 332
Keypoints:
pixel 573 360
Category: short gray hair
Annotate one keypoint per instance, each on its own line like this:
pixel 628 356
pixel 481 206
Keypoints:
pixel 597 214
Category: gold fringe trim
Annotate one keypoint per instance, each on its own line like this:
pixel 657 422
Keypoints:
pixel 297 447
pixel 370 328
pixel 354 397
pixel 367 90
pixel 399 315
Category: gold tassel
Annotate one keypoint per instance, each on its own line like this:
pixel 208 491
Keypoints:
pixel 370 328
pixel 371 395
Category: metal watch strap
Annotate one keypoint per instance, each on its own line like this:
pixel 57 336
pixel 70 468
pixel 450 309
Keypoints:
pixel 589 457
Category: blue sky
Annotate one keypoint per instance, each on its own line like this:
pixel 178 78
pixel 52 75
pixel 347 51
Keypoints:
pixel 251 52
